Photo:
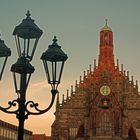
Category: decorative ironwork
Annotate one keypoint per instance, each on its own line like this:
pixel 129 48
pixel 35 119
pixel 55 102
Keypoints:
pixel 10 105
pixel 34 105
pixel 16 103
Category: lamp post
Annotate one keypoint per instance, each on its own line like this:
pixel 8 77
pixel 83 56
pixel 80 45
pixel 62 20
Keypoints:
pixel 26 34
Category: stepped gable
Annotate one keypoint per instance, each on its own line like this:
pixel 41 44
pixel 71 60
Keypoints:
pixel 106 72
pixel 103 104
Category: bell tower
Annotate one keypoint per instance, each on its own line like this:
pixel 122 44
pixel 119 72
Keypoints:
pixel 106 56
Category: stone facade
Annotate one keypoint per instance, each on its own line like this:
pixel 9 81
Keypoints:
pixel 104 104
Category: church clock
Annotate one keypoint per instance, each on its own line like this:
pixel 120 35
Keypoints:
pixel 105 90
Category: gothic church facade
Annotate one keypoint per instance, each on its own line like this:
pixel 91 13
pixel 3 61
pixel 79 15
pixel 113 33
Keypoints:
pixel 105 104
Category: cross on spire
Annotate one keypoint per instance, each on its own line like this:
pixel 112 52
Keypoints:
pixel 106 20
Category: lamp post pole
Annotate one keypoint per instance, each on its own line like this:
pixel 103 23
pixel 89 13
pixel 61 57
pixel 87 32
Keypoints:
pixel 53 58
pixel 21 115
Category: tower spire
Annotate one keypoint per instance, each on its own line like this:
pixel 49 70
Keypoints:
pixel 106 56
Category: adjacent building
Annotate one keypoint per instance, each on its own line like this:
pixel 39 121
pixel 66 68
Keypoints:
pixel 10 132
pixel 41 137
pixel 105 104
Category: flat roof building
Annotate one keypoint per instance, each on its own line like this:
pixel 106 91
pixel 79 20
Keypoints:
pixel 10 132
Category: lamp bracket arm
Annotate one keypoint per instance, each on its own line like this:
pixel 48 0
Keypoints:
pixel 11 104
pixel 31 104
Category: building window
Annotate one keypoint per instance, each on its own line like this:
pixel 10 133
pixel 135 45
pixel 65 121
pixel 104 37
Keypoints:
pixel 9 132
pixel 4 132
pixel 105 124
pixel 72 133
pixel 1 133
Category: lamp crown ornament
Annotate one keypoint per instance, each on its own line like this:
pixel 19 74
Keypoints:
pixel 54 52
pixel 28 29
pixel 54 40
pixel 28 14
pixel 22 66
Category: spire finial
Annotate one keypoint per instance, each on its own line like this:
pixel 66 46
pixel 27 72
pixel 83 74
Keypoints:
pixel 63 98
pixel 57 102
pixel 90 68
pixel 136 83
pixel 122 68
pixel 124 72
pixel 76 84
pixel 71 88
pixel 94 64
pixel 106 20
pixel 80 79
pixel 87 72
pixel 128 74
pixel 67 94
pixel 132 79
pixel 84 73
pixel 118 63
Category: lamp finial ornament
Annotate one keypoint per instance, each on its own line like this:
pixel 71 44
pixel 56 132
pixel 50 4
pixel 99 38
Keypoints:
pixel 54 40
pixel 28 14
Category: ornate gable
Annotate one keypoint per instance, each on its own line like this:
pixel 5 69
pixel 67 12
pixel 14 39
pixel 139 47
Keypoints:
pixel 105 102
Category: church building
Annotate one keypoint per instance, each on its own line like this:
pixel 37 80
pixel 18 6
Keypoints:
pixel 105 103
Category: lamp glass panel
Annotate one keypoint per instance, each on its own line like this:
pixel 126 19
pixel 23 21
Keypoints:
pixel 59 69
pixel 49 71
pixel 2 65
pixel 54 71
pixel 46 70
pixel 17 81
pixel 17 77
pixel 26 47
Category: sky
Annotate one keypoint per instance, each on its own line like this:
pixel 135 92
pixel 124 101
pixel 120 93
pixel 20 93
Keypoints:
pixel 77 24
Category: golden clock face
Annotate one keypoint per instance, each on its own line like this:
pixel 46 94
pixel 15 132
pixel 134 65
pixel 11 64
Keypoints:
pixel 105 90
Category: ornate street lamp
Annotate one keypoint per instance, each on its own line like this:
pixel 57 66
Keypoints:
pixel 27 35
pixel 21 67
pixel 53 59
pixel 5 52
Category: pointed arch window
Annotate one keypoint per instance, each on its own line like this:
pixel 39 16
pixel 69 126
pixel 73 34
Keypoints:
pixel 106 38
pixel 105 124
pixel 72 133
pixel 117 125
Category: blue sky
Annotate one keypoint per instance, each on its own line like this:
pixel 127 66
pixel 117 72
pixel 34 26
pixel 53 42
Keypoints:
pixel 77 24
